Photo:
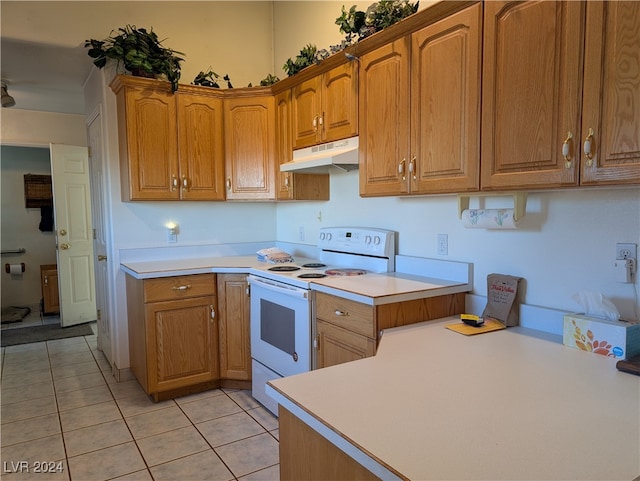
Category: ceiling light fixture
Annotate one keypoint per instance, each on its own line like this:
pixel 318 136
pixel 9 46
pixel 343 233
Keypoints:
pixel 7 100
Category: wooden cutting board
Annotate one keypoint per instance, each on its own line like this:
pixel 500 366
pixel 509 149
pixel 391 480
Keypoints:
pixel 631 366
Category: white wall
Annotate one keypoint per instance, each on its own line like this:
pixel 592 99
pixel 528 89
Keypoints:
pixel 564 244
pixel 20 226
pixel 33 128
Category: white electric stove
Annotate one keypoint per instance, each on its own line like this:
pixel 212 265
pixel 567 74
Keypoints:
pixel 281 299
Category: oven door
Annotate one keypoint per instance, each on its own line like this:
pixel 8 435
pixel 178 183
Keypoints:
pixel 280 326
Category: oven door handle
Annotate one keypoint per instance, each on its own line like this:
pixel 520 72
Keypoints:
pixel 279 287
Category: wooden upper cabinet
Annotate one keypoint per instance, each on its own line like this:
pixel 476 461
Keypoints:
pixel 294 186
pixel 384 119
pixel 531 94
pixel 445 104
pixel 171 144
pixel 201 147
pixel 420 110
pixel 611 98
pixel 250 147
pixel 147 131
pixel 325 107
pixel 283 144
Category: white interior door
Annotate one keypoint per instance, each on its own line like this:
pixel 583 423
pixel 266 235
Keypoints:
pixel 94 134
pixel 74 233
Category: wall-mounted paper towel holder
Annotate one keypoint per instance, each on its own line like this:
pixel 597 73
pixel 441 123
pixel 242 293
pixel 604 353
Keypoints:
pixel 519 202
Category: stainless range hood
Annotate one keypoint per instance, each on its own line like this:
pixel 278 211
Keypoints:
pixel 341 155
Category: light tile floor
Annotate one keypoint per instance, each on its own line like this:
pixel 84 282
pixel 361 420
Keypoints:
pixel 63 412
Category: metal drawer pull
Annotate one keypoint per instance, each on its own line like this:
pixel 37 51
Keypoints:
pixel 213 312
pixel 174 182
pixel 566 150
pixel 181 288
pixel 341 313
pixel 588 142
pixel 401 168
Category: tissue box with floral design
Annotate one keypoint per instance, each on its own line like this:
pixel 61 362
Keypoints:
pixel 618 339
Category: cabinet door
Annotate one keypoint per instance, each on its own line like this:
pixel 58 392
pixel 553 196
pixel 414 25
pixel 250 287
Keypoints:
pixel 340 102
pixel 201 147
pixel 182 343
pixel 445 104
pixel 531 93
pixel 306 112
pixel 233 322
pixel 150 160
pixel 336 345
pixel 611 105
pixel 283 144
pixel 250 148
pixel 383 106
pixel 50 297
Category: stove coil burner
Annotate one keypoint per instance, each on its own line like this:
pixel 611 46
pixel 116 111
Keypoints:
pixel 312 275
pixel 345 272
pixel 314 265
pixel 284 268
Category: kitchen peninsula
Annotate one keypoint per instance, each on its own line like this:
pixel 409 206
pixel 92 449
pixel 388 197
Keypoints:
pixel 434 404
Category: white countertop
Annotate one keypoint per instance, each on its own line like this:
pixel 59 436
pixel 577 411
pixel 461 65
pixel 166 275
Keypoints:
pixel 386 288
pixel 372 289
pixel 434 404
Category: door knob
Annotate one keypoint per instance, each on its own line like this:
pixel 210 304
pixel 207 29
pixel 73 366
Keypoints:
pixel 102 258
pixel 64 246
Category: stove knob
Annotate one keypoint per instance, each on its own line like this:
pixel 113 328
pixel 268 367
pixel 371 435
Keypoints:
pixel 367 239
pixel 322 236
pixel 329 236
pixel 376 240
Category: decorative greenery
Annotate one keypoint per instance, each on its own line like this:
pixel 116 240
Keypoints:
pixel 210 79
pixel 140 52
pixel 306 57
pixel 268 80
pixel 356 25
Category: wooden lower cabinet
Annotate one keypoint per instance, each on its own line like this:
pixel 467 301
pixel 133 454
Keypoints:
pixel 233 325
pixel 305 454
pixel 347 330
pixel 337 345
pixel 173 333
pixel 49 284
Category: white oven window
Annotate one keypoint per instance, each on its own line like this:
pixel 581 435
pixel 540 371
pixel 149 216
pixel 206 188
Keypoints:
pixel 278 326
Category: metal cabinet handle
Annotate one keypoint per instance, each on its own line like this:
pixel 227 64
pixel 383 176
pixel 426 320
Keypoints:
pixel 181 288
pixel 341 313
pixel 286 180
pixel 412 167
pixel 174 182
pixel 212 312
pixel 185 183
pixel 401 168
pixel 315 123
pixel 566 150
pixel 46 280
pixel 228 183
pixel 321 121
pixel 102 258
pixel 588 144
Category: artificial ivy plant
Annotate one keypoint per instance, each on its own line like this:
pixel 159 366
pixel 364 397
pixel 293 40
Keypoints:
pixel 140 51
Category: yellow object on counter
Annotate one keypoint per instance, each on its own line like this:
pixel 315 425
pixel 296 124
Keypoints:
pixel 488 326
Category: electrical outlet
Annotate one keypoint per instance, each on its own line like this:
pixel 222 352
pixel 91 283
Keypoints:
pixel 443 244
pixel 626 251
pixel 301 233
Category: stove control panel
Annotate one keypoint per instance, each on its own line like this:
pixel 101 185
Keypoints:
pixel 358 240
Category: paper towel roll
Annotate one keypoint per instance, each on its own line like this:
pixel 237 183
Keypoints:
pixel 15 269
pixel 489 219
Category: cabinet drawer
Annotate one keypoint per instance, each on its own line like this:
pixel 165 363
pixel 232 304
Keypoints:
pixel 351 315
pixel 179 287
